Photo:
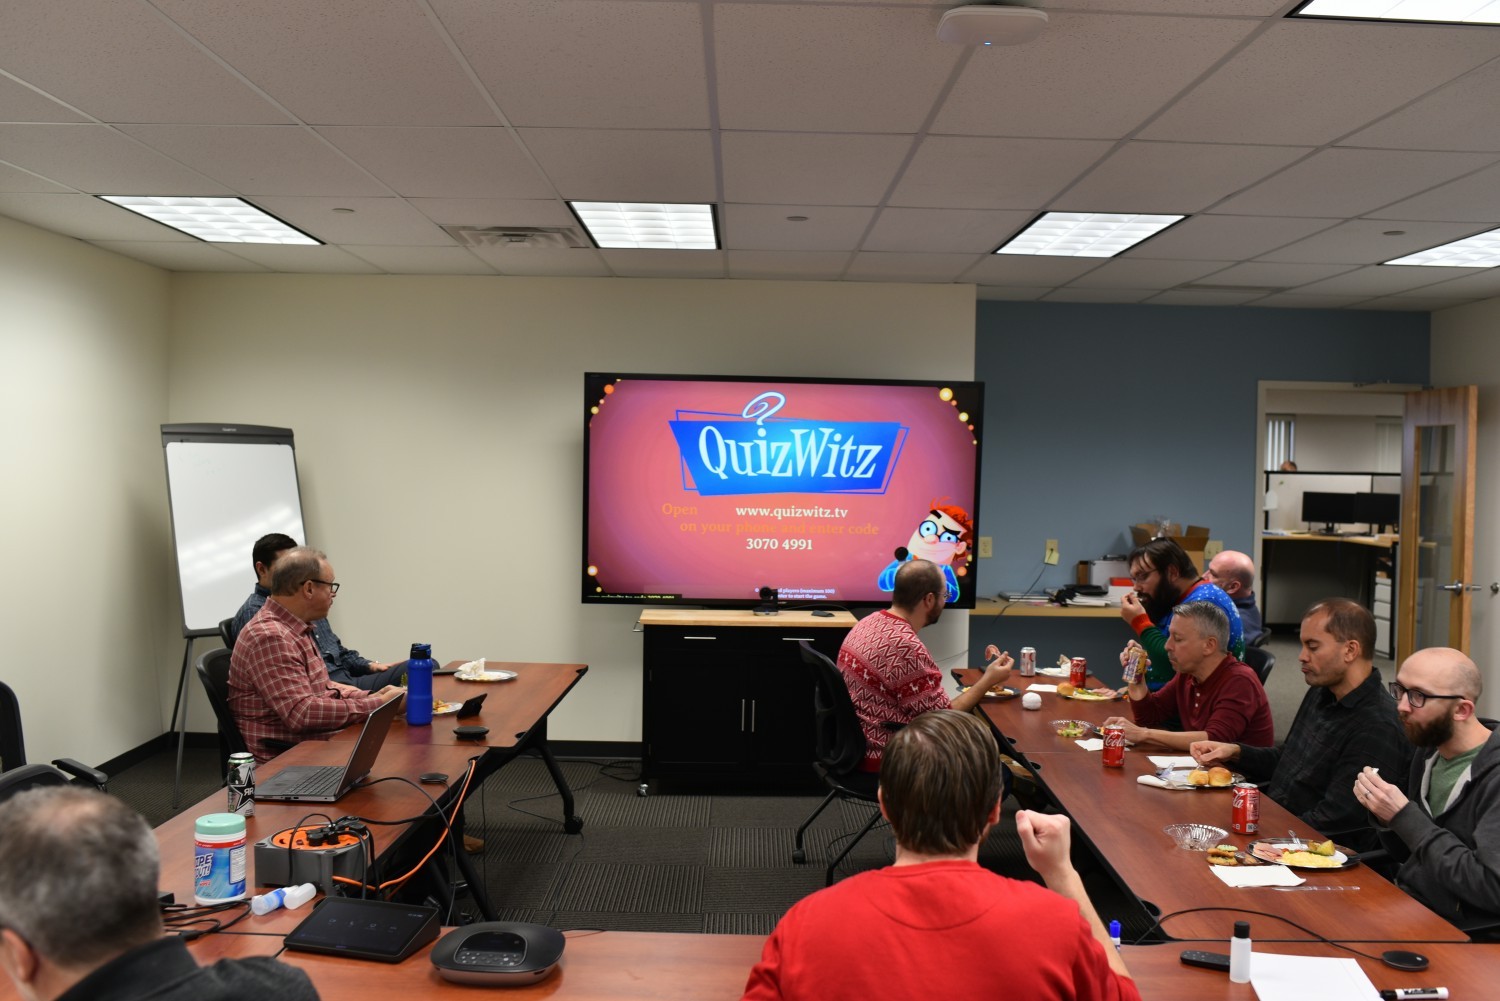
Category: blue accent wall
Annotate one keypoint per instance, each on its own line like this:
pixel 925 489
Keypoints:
pixel 1100 416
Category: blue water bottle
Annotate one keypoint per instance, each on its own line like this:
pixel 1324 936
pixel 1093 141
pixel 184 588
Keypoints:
pixel 419 670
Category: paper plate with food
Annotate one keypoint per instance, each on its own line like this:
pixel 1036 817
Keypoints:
pixel 1296 853
pixel 1068 691
pixel 441 708
pixel 997 694
pixel 1199 778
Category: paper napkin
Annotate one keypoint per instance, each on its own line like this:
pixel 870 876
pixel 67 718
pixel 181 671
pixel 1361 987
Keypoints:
pixel 1257 875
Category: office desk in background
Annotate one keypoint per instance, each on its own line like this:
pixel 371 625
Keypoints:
pixel 1298 570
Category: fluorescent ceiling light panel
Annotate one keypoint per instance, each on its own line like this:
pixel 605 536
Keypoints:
pixel 214 220
pixel 1436 11
pixel 1481 250
pixel 1086 234
pixel 648 225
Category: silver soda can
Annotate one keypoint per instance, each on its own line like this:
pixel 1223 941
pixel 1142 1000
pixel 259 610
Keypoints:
pixel 1133 664
pixel 242 784
pixel 1028 661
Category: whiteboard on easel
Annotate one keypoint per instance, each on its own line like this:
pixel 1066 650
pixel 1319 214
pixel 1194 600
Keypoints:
pixel 227 485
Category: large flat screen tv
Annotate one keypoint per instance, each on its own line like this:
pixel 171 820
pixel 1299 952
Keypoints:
pixel 703 490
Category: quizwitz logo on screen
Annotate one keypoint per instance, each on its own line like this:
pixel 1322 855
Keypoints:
pixel 750 453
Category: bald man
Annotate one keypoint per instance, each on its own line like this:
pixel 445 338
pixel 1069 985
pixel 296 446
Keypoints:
pixel 1451 827
pixel 1234 572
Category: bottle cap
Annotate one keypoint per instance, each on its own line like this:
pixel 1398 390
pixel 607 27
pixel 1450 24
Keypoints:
pixel 1242 929
pixel 421 651
pixel 219 824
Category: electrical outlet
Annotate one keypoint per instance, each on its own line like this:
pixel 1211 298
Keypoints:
pixel 1051 557
pixel 986 547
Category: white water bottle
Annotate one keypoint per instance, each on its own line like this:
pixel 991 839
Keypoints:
pixel 1239 953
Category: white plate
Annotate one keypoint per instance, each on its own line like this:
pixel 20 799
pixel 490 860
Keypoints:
pixel 446 708
pixel 490 676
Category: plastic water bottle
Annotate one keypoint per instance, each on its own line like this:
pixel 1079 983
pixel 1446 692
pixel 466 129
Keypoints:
pixel 419 685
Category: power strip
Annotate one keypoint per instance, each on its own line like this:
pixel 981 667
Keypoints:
pixel 288 859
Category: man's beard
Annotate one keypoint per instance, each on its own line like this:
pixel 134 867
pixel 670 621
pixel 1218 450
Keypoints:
pixel 1160 602
pixel 1433 734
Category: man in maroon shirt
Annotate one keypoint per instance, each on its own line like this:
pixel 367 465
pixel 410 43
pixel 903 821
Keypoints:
pixel 1210 692
pixel 279 689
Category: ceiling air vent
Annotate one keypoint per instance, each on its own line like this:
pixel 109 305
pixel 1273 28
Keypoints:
pixel 518 237
pixel 1210 287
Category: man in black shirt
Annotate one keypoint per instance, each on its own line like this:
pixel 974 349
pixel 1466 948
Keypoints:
pixel 1347 720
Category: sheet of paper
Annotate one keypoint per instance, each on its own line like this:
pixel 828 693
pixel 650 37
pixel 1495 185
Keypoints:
pixel 1091 744
pixel 1041 688
pixel 1171 761
pixel 1296 978
pixel 1256 875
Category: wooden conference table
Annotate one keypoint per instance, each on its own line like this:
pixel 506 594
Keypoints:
pixel 1123 822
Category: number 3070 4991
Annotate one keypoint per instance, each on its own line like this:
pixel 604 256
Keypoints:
pixel 790 544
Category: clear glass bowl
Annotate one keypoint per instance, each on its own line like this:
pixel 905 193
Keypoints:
pixel 1195 837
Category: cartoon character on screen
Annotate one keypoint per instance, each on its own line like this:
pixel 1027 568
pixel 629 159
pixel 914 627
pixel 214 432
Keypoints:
pixel 943 537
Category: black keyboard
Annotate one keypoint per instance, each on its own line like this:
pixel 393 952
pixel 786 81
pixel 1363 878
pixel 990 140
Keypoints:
pixel 308 780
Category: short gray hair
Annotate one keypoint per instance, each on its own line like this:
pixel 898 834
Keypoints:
pixel 1209 618
pixel 78 875
pixel 295 567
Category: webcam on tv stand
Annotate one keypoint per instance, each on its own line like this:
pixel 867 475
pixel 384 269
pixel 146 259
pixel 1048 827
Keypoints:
pixel 768 598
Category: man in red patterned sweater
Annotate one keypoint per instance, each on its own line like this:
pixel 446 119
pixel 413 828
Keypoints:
pixel 891 676
pixel 279 689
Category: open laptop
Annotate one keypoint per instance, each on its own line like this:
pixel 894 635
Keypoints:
pixel 326 783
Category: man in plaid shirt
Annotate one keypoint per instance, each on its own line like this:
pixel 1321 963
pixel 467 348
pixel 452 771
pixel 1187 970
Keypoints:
pixel 279 689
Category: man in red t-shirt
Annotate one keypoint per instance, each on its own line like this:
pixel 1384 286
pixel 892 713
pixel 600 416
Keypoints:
pixel 891 676
pixel 895 932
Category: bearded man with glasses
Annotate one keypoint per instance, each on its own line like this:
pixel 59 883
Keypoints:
pixel 1449 828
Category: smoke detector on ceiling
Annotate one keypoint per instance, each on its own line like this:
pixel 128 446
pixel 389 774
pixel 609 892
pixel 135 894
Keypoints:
pixel 991 24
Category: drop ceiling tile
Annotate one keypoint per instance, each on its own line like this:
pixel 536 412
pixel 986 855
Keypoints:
pixel 1349 182
pixel 443 162
pixel 1226 237
pixel 1023 270
pixel 97 159
pixel 1468 199
pixel 16 179
pixel 1179 178
pixel 1307 82
pixel 357 62
pixel 260 159
pixel 1202 297
pixel 374 221
pixel 19 103
pixel 535 261
pixel 765 227
pixel 1106 295
pixel 1363 241
pixel 1411 304
pixel 190 255
pixel 1381 280
pixel 303 260
pixel 1287 300
pixel 1133 65
pixel 957 172
pixel 665 263
pixel 1276 275
pixel 95 55
pixel 421 260
pixel 586 63
pixel 1011 293
pixel 1132 273
pixel 794 265
pixel 1458 116
pixel 494 211
pixel 815 68
pixel 869 266
pixel 938 231
pixel 800 169
pixel 627 165
pixel 1482 284
pixel 84 217
pixel 1257 8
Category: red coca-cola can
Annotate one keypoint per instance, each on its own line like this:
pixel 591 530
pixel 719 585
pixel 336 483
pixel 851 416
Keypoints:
pixel 1114 746
pixel 1078 672
pixel 1246 817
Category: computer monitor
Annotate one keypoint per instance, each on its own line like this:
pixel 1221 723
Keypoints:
pixel 1378 509
pixel 1328 509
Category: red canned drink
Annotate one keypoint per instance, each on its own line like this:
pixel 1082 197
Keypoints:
pixel 1028 661
pixel 1114 746
pixel 1078 672
pixel 1246 818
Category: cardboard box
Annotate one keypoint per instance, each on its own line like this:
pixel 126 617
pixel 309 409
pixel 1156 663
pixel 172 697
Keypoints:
pixel 1193 541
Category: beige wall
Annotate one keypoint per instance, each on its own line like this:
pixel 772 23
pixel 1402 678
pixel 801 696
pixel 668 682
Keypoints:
pixel 83 390
pixel 1466 350
pixel 439 432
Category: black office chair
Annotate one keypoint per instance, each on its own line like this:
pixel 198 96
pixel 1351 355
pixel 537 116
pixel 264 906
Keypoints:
pixel 225 634
pixel 16 774
pixel 840 746
pixel 213 671
pixel 1259 639
pixel 1261 660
